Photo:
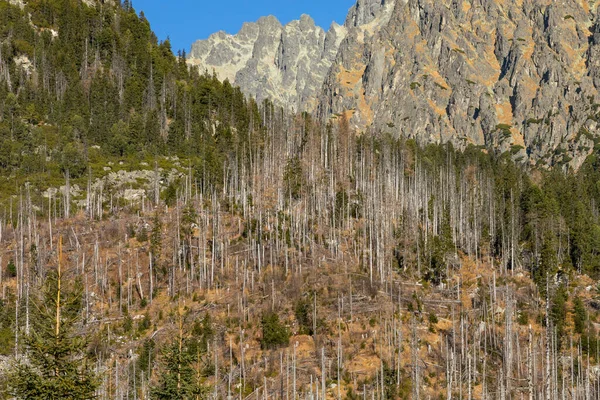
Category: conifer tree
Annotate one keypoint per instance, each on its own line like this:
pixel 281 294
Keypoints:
pixel 182 377
pixel 54 365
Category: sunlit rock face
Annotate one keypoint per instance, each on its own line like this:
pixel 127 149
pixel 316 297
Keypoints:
pixel 286 64
pixel 519 76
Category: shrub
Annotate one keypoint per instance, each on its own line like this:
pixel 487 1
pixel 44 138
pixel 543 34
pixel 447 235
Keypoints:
pixel 275 334
pixel 302 310
pixel 11 269
pixel 433 319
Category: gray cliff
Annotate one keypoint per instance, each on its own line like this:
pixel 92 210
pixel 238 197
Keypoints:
pixel 512 76
pixel 286 64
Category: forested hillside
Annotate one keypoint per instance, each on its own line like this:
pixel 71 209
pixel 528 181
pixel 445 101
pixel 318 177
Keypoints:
pixel 164 237
pixel 81 85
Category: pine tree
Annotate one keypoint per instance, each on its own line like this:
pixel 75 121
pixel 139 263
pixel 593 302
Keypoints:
pixel 55 364
pixel 182 376
pixel 275 334
pixel 579 315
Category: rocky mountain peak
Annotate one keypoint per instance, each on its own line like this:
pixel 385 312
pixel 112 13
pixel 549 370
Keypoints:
pixel 269 22
pixel 519 77
pixel 286 64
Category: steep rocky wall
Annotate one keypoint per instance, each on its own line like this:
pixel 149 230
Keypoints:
pixel 519 76
pixel 516 76
pixel 286 64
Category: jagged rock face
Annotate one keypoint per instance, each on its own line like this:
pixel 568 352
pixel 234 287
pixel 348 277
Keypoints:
pixel 286 64
pixel 519 76
pixel 364 11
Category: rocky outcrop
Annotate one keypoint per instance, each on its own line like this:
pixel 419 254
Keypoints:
pixel 286 64
pixel 512 76
pixel 520 76
pixel 364 11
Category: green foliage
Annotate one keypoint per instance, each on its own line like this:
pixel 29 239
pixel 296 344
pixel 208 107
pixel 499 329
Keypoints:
pixel 505 129
pixel 350 395
pixel 346 206
pixel 72 161
pixel 579 315
pixel 274 333
pixel 7 340
pixel 558 311
pixel 146 355
pixel 293 178
pixel 142 235
pixel 442 246
pixel 11 269
pixel 390 383
pixel 127 324
pixel 7 335
pixel 170 194
pixel 433 319
pixel 57 367
pixel 590 344
pixel 188 219
pixel 183 364
pixel 547 267
pixel 107 85
pixel 120 140
pixel 144 324
pixel 179 379
pixel 202 333
pixel 303 311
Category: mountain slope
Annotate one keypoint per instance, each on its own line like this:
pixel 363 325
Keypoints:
pixel 518 76
pixel 213 247
pixel 511 76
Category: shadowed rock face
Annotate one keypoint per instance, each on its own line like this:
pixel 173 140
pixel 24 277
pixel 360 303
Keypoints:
pixel 519 76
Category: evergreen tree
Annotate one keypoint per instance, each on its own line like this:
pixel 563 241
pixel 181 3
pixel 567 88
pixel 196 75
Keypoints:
pixel 182 374
pixel 54 365
pixel 579 315
pixel 275 334
pixel 293 178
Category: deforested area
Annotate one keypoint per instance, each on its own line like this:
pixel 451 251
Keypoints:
pixel 164 236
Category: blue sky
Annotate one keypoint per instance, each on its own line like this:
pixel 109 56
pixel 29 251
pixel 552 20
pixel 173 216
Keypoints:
pixel 185 21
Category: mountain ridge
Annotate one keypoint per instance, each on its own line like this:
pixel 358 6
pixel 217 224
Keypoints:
pixel 507 77
pixel 518 78
pixel 268 60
